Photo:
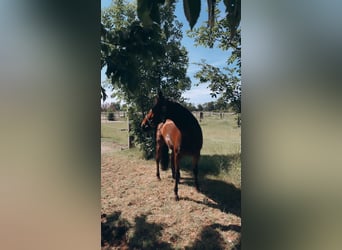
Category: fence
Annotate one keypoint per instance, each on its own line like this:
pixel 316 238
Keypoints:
pixel 122 116
pixel 214 114
pixel 211 114
pixel 200 115
pixel 117 116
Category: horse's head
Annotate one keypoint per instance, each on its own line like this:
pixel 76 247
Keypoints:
pixel 156 114
pixel 147 122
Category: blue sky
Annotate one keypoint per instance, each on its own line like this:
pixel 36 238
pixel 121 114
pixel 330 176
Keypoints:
pixel 216 57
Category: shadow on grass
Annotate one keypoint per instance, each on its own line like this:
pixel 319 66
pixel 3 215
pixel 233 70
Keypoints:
pixel 115 233
pixel 210 164
pixel 118 233
pixel 146 235
pixel 236 245
pixel 210 238
pixel 226 195
pixel 113 230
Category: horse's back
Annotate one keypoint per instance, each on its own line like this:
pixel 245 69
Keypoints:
pixel 190 142
pixel 189 126
pixel 171 134
pixel 192 135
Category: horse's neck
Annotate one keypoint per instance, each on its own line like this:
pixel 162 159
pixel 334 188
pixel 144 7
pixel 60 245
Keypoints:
pixel 181 117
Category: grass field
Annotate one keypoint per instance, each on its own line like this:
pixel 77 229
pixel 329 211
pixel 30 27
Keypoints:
pixel 221 136
pixel 140 211
pixel 114 132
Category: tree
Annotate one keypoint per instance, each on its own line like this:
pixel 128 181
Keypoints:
pixel 191 107
pixel 148 12
pixel 140 60
pixel 114 106
pixel 221 104
pixel 223 30
pixel 228 85
pixel 224 81
pixel 210 106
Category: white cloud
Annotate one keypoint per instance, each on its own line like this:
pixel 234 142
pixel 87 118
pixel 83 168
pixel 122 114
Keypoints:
pixel 199 94
pixel 219 63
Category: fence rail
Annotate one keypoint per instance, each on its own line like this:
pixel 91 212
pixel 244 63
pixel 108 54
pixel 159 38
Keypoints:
pixel 122 115
pixel 117 116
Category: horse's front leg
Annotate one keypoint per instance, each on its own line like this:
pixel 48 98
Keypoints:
pixel 176 187
pixel 158 174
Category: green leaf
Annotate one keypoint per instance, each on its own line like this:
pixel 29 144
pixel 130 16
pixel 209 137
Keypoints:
pixel 192 10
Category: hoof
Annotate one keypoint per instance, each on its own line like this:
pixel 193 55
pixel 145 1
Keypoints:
pixel 177 198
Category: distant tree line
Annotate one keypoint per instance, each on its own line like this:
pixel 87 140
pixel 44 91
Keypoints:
pixel 208 106
pixel 113 107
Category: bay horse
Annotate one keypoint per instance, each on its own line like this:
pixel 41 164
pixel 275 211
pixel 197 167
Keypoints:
pixel 179 130
pixel 168 136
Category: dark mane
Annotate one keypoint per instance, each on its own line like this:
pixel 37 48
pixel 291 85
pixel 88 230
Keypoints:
pixel 185 121
pixel 180 115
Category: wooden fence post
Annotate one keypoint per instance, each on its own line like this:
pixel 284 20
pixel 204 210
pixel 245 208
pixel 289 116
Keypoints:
pixel 130 137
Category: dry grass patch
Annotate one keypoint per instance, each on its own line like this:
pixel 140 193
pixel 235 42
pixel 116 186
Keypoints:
pixel 150 218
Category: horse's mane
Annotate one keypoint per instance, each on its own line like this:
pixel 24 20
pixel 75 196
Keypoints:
pixel 180 115
pixel 185 121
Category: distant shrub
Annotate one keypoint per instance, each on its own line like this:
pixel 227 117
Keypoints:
pixel 110 116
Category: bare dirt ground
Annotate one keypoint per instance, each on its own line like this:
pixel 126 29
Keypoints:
pixel 140 212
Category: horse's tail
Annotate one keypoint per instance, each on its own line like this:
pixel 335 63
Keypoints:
pixel 164 159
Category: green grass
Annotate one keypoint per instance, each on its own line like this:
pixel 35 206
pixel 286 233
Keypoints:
pixel 220 136
pixel 220 155
pixel 115 132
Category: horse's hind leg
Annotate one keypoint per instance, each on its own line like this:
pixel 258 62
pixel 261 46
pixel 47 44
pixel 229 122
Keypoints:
pixel 158 155
pixel 173 165
pixel 173 168
pixel 158 174
pixel 176 160
pixel 195 160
